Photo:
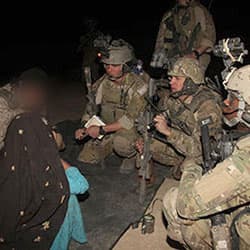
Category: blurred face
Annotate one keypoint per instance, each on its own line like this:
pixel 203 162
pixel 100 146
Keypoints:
pixel 31 97
pixel 233 109
pixel 231 106
pixel 177 83
pixel 113 70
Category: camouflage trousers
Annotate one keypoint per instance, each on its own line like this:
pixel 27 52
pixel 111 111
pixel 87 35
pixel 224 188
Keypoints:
pixel 196 234
pixel 122 143
pixel 165 154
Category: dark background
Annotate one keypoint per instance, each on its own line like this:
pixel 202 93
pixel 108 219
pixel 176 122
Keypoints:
pixel 39 34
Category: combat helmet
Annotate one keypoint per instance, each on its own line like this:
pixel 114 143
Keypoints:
pixel 240 82
pixel 188 68
pixel 238 85
pixel 118 52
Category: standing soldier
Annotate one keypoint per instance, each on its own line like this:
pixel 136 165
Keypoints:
pixel 87 48
pixel 186 30
pixel 119 94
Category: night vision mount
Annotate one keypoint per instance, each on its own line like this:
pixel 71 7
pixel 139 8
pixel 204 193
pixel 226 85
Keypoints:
pixel 102 43
pixel 232 51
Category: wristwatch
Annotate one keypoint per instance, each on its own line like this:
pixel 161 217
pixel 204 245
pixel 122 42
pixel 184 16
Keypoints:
pixel 102 131
pixel 197 54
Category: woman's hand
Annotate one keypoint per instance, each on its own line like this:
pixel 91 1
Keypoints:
pixel 65 164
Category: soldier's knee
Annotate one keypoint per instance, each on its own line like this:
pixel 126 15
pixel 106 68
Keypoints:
pixel 123 146
pixel 169 210
pixel 169 204
pixel 186 206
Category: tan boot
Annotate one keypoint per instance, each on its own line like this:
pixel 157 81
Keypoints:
pixel 127 166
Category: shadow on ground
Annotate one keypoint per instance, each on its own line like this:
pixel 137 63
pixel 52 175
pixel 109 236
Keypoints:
pixel 111 203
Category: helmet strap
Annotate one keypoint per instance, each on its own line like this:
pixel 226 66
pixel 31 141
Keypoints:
pixel 189 88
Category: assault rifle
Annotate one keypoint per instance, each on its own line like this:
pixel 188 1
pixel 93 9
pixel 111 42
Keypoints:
pixel 220 231
pixel 143 163
pixel 91 106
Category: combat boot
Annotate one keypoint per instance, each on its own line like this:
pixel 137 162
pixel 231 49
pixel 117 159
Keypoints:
pixel 127 166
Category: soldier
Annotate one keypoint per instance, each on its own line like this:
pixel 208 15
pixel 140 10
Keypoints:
pixel 186 30
pixel 119 94
pixel 225 189
pixel 24 93
pixel 188 102
pixel 87 48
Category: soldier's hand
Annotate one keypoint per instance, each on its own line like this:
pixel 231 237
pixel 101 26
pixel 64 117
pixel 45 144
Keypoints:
pixel 161 125
pixel 191 55
pixel 80 133
pixel 93 131
pixel 139 144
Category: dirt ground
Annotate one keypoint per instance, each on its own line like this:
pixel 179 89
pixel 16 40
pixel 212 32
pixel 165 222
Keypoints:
pixel 111 205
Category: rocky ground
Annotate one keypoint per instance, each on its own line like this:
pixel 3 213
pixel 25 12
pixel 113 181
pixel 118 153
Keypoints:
pixel 111 204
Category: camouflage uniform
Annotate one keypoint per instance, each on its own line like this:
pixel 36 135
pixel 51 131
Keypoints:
pixel 8 110
pixel 184 117
pixel 185 29
pixel 227 186
pixel 121 103
pixel 225 189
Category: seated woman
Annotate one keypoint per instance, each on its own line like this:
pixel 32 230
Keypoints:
pixel 39 209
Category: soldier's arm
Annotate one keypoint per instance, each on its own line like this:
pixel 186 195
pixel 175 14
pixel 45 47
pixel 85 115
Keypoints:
pixel 226 186
pixel 162 31
pixel 207 36
pixel 112 127
pixel 159 44
pixel 189 144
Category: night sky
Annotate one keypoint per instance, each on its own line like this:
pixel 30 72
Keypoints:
pixel 39 34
